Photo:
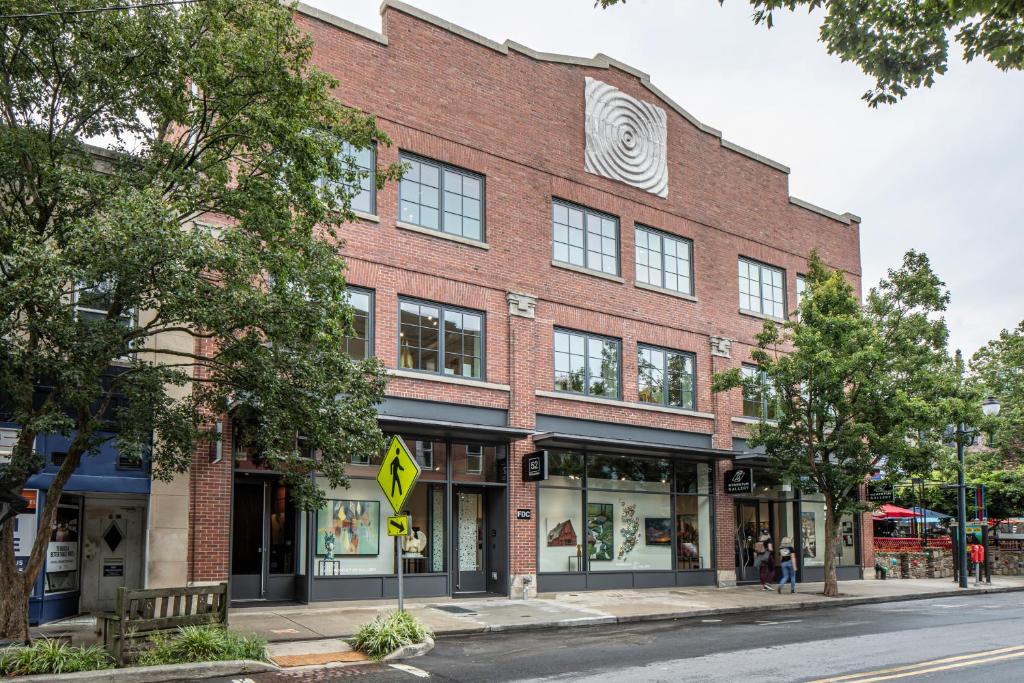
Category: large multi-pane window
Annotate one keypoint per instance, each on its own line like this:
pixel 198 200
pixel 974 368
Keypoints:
pixel 585 238
pixel 760 402
pixel 664 260
pixel 441 197
pixel 666 377
pixel 93 302
pixel 587 364
pixel 601 512
pixel 362 190
pixel 441 339
pixel 360 344
pixel 762 289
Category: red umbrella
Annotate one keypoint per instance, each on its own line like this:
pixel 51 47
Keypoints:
pixel 890 511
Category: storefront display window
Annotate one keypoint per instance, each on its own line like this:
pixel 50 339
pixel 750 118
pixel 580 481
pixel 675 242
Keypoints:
pixel 626 519
pixel 62 556
pixel 812 534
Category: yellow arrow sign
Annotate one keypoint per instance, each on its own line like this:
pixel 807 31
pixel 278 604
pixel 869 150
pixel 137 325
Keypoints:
pixel 398 526
pixel 398 473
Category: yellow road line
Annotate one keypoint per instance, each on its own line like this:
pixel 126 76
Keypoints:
pixel 1018 651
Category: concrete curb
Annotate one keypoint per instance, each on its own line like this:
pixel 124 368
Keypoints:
pixel 722 611
pixel 409 651
pixel 158 674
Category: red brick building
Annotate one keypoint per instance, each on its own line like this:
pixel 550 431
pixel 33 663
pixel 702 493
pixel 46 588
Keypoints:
pixel 568 261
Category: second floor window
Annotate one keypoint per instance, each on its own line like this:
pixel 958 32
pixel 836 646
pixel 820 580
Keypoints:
pixel 441 339
pixel 664 260
pixel 762 402
pixel 94 302
pixel 762 289
pixel 360 344
pixel 441 197
pixel 585 238
pixel 666 377
pixel 587 364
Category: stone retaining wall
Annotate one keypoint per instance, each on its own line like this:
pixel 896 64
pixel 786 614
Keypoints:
pixel 937 563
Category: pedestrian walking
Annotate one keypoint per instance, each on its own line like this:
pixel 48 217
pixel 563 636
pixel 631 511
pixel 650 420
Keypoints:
pixel 764 559
pixel 787 555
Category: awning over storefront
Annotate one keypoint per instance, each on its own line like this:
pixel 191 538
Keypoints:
pixel 628 446
pixel 454 430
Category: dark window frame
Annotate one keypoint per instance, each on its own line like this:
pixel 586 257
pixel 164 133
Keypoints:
pixel 372 176
pixel 761 296
pixel 442 167
pixel 587 336
pixel 597 212
pixel 638 227
pixel 371 320
pixel 665 394
pixel 762 402
pixel 442 307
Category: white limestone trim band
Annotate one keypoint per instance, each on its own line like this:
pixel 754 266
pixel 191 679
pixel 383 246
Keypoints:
pixel 762 316
pixel 444 379
pixel 598 61
pixel 587 271
pixel 662 290
pixel 752 421
pixel 443 235
pixel 846 218
pixel 622 404
pixel 362 215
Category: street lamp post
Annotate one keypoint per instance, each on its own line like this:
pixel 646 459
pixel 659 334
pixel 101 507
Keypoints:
pixel 990 407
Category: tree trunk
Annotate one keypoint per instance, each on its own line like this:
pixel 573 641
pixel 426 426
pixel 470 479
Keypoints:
pixel 831 532
pixel 14 590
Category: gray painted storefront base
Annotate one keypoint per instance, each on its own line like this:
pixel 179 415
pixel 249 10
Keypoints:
pixel 577 581
pixel 376 587
pixel 817 574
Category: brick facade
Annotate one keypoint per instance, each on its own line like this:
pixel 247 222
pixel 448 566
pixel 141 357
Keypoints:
pixel 517 118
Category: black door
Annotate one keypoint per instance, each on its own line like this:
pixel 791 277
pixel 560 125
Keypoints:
pixel 247 542
pixel 496 543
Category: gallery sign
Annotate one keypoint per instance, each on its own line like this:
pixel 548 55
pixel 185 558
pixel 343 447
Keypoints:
pixel 535 466
pixel 740 480
pixel 881 493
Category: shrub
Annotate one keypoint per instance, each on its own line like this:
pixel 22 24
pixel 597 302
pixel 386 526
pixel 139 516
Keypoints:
pixel 201 644
pixel 387 633
pixel 47 656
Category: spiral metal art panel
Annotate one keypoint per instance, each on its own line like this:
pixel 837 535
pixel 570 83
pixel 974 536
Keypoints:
pixel 626 138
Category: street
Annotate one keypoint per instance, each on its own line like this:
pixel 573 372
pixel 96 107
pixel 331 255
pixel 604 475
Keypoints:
pixel 953 639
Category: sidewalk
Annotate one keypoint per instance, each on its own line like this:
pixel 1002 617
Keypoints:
pixel 446 616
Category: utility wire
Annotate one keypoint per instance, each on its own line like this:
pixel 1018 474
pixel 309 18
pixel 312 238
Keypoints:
pixel 95 10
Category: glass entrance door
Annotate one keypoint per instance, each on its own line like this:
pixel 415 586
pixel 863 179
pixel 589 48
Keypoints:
pixel 752 517
pixel 469 541
pixel 263 541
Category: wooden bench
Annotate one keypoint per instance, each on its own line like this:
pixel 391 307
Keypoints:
pixel 140 613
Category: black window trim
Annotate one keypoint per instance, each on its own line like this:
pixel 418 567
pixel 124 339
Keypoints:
pixel 371 319
pixel 665 349
pixel 403 153
pixel 585 209
pixel 664 233
pixel 586 367
pixel 442 307
pixel 785 288
pixel 763 380
pixel 373 181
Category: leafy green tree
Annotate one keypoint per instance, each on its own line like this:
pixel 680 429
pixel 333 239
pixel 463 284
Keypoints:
pixel 905 45
pixel 999 367
pixel 206 112
pixel 853 383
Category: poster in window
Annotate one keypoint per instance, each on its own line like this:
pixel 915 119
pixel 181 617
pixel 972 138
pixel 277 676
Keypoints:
pixel 807 534
pixel 348 527
pixel 600 532
pixel 62 551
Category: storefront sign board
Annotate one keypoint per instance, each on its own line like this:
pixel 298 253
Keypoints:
pixel 739 480
pixel 398 473
pixel 524 513
pixel 881 493
pixel 535 466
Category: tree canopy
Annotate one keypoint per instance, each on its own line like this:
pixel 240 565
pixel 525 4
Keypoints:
pixel 206 209
pixel 905 45
pixel 858 387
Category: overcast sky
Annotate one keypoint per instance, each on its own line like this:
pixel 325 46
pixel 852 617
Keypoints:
pixel 941 172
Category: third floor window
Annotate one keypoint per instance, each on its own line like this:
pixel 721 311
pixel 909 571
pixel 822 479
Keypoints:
pixel 441 197
pixel 585 238
pixel 664 260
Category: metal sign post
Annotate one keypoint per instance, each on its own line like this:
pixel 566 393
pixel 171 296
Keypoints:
pixel 398 474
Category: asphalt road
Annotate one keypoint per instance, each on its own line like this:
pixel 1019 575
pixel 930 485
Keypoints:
pixel 976 638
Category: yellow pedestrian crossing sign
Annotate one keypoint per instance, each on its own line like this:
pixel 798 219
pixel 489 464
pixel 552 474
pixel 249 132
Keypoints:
pixel 398 473
pixel 398 525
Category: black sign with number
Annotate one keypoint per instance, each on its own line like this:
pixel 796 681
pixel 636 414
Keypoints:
pixel 535 466
pixel 524 513
pixel 740 480
pixel 881 493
